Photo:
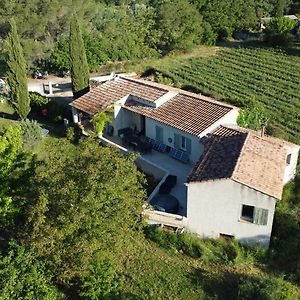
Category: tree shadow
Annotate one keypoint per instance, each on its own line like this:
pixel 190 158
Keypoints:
pixel 219 285
pixel 13 117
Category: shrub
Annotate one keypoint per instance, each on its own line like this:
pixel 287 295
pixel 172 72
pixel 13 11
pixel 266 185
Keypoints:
pixel 74 133
pixel 56 112
pixel 32 131
pixel 266 287
pixel 37 100
pixel 99 120
pixel 213 251
pixel 102 279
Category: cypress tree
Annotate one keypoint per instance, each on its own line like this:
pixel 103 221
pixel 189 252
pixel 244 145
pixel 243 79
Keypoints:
pixel 79 66
pixel 16 74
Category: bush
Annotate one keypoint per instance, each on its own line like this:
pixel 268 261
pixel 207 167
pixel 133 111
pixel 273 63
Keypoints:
pixel 24 277
pixel 266 287
pixel 213 251
pixel 74 133
pixel 37 100
pixel 102 279
pixel 209 37
pixel 32 131
pixel 56 112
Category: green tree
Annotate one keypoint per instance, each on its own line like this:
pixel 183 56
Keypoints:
pixel 180 25
pixel 16 74
pixel 281 25
pixel 24 277
pixel 87 199
pixel 253 117
pixel 99 120
pixel 10 154
pixel 79 66
pixel 101 280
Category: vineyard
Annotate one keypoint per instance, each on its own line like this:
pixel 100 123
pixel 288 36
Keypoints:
pixel 243 75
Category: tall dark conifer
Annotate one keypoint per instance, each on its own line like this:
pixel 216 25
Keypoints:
pixel 79 65
pixel 16 74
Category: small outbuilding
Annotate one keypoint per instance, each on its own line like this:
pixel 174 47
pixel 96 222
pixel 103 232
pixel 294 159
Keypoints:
pixel 234 187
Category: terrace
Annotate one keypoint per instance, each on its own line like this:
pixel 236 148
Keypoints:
pixel 160 165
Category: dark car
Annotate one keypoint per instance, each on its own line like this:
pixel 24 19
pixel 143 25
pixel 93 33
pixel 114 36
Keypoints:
pixel 40 74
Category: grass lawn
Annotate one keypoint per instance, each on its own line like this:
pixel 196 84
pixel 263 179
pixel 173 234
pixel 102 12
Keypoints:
pixel 151 272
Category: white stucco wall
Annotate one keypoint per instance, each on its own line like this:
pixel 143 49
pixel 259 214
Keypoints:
pixel 228 119
pixel 168 132
pixel 290 170
pixel 75 115
pixel 214 208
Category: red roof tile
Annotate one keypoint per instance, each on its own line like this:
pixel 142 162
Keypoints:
pixel 191 114
pixel 241 155
pixel 99 98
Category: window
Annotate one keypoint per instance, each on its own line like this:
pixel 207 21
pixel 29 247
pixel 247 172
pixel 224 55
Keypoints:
pixel 227 237
pixel 183 143
pixel 288 159
pixel 247 213
pixel 255 215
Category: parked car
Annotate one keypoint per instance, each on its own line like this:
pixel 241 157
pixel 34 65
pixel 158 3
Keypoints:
pixel 40 74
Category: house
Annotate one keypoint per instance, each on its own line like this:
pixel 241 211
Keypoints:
pixel 236 175
pixel 175 118
pixel 237 182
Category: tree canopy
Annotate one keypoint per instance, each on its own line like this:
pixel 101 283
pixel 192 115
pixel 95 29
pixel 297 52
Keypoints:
pixel 76 191
pixel 79 66
pixel 153 27
pixel 16 74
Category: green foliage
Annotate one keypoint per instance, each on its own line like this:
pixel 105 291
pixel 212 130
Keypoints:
pixel 32 131
pixel 60 55
pixel 212 251
pixel 99 120
pixel 266 288
pixel 180 25
pixel 99 184
pixel 10 150
pixel 79 66
pixel 37 100
pixel 56 112
pixel 74 133
pixel 286 231
pixel 278 31
pixel 16 74
pixel 24 277
pixel 254 117
pixel 101 280
pixel 281 25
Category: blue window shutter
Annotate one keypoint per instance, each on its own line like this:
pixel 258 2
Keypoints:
pixel 159 133
pixel 177 141
pixel 188 145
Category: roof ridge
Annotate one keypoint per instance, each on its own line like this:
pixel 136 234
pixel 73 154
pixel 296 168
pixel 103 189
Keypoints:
pixel 146 83
pixel 205 98
pixel 203 159
pixel 240 155
pixel 179 91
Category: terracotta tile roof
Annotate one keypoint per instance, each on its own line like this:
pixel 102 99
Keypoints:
pixel 243 156
pixel 99 98
pixel 187 112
